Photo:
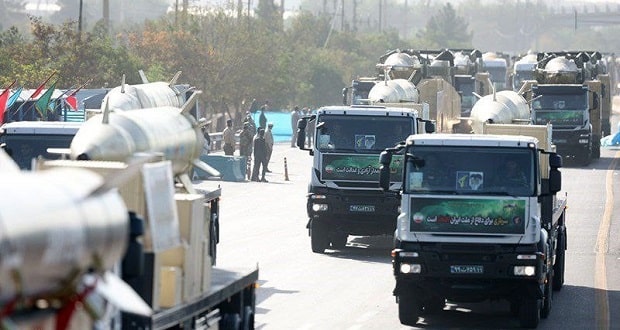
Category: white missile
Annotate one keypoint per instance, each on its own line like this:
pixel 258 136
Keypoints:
pixel 57 227
pixel 170 131
pixel 504 107
pixel 147 95
pixel 393 91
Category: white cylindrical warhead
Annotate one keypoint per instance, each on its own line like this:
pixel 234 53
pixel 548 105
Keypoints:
pixel 52 229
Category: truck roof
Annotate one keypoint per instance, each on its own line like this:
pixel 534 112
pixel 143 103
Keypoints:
pixel 479 140
pixel 41 127
pixel 368 110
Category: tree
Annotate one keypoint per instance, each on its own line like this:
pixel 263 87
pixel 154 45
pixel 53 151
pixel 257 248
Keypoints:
pixel 447 30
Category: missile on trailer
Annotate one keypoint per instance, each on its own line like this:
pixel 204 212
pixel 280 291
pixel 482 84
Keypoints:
pixel 504 107
pixel 58 227
pixel 171 131
pixel 393 91
pixel 146 95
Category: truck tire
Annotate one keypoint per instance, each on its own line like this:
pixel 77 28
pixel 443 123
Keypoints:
pixel 213 239
pixel 319 238
pixel 339 240
pixel 529 312
pixel 548 297
pixel 408 309
pixel 560 260
pixel 248 318
pixel 596 147
pixel 230 321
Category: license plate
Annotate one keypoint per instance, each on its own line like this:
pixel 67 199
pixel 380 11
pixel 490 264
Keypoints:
pixel 466 269
pixel 362 208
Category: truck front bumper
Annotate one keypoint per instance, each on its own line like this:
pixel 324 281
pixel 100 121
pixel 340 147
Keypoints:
pixel 355 212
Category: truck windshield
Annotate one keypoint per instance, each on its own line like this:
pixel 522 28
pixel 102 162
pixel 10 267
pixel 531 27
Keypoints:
pixel 24 147
pixel 470 171
pixel 560 110
pixel 361 134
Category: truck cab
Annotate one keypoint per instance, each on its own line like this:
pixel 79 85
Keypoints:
pixel 478 220
pixel 25 140
pixel 343 196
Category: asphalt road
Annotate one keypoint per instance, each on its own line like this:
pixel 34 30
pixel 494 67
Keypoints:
pixel 264 224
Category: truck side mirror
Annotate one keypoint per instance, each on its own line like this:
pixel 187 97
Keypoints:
pixel 301 133
pixel 345 95
pixel 555 180
pixel 385 158
pixel 429 127
pixel 555 161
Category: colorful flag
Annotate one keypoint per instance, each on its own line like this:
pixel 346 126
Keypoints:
pixel 40 88
pixel 3 100
pixel 43 103
pixel 72 102
pixel 14 97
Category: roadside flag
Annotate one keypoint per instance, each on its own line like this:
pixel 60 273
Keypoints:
pixel 40 88
pixel 14 97
pixel 43 103
pixel 72 102
pixel 3 100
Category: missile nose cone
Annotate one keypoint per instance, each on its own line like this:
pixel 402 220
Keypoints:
pixel 97 141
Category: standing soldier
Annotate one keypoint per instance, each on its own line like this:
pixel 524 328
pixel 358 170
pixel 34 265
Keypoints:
pixel 260 155
pixel 262 119
pixel 245 145
pixel 228 136
pixel 295 115
pixel 269 143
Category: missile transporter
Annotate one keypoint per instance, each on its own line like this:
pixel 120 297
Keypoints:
pixel 343 195
pixel 572 93
pixel 469 229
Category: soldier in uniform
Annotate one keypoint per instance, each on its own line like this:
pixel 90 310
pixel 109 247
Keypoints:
pixel 260 155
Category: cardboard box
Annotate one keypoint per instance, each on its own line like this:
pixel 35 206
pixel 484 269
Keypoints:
pixel 170 286
pixel 190 208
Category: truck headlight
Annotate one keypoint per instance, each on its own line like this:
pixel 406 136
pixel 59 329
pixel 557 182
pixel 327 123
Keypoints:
pixel 583 141
pixel 410 268
pixel 525 270
pixel 319 207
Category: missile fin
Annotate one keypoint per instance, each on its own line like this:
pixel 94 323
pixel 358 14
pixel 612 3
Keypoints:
pixel 106 113
pixel 63 152
pixel 7 164
pixel 145 80
pixel 190 103
pixel 123 84
pixel 173 82
pixel 206 167
pixel 187 183
pixel 121 295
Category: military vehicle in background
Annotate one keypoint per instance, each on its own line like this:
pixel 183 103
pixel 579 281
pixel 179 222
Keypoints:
pixel 479 219
pixel 434 74
pixel 523 69
pixel 343 194
pixel 496 64
pixel 571 96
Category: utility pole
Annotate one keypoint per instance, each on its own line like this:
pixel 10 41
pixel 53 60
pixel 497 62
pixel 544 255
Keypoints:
pixel 106 15
pixel 354 15
pixel 341 15
pixel 380 16
pixel 80 20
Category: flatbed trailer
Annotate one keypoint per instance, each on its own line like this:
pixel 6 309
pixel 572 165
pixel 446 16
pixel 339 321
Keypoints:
pixel 231 300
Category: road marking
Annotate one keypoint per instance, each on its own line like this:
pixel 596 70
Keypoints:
pixel 602 247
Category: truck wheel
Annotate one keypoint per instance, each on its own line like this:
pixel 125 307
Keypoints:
pixel 339 240
pixel 213 242
pixel 408 309
pixel 529 312
pixel 248 318
pixel 319 238
pixel 596 147
pixel 230 321
pixel 548 297
pixel 560 258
